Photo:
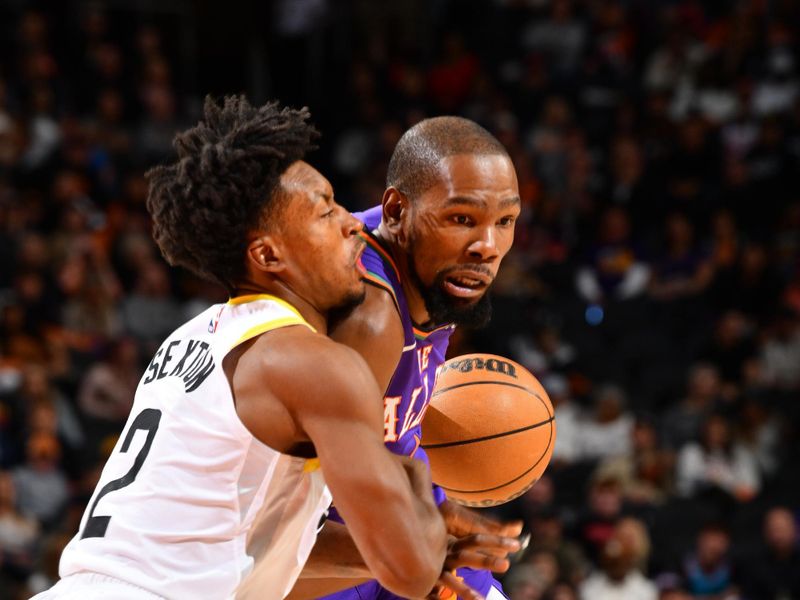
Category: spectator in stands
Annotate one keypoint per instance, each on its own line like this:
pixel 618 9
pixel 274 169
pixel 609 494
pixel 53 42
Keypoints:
pixel 773 572
pixel 568 441
pixel 547 535
pixel 18 533
pixel 781 352
pixel 684 270
pixel 683 423
pixel 614 269
pixel 107 390
pixel 622 558
pixel 525 583
pixel 544 352
pixel 731 345
pixel 603 511
pixel 42 490
pixel 646 471
pixel 608 432
pixel 761 431
pixel 546 565
pixel 563 591
pixel 717 463
pixel 707 570
pixel 151 311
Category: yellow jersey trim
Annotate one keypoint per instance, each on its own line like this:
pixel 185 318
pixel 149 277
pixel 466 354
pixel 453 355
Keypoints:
pixel 253 297
pixel 269 326
pixel 311 464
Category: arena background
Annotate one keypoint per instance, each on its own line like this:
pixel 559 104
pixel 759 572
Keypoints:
pixel 654 286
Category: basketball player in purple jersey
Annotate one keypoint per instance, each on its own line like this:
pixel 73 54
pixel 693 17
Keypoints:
pixel 433 249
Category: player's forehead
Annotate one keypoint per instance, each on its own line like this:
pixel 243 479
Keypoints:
pixel 303 179
pixel 480 176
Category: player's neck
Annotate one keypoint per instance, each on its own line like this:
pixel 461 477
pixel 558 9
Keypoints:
pixel 414 300
pixel 311 315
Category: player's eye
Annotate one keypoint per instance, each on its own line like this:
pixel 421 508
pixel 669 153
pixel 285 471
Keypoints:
pixel 507 221
pixel 462 220
pixel 328 214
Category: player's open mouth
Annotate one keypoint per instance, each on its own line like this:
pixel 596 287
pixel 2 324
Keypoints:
pixel 466 285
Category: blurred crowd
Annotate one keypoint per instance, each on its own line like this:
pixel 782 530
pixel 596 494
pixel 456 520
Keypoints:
pixel 654 285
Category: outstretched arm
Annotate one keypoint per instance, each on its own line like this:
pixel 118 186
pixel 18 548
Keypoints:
pixel 332 400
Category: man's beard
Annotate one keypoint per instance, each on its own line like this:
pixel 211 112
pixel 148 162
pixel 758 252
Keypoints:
pixel 443 308
pixel 343 308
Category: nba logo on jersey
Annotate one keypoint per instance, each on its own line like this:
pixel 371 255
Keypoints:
pixel 213 323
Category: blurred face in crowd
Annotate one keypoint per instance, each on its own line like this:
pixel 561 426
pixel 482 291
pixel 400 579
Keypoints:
pixel 609 406
pixel 547 529
pixel 7 492
pixel 43 418
pixel 563 591
pixel 605 499
pixel 703 382
pixel 615 227
pixel 35 384
pixel 460 230
pixel 546 565
pixel 644 436
pixel 679 232
pixel 540 495
pixel 43 451
pixel 712 546
pixel 627 547
pixel 780 530
pixel 716 433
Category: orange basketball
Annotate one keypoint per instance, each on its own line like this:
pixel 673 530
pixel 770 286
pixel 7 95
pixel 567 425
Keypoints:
pixel 489 431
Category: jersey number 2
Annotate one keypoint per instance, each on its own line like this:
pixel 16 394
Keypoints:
pixel 148 421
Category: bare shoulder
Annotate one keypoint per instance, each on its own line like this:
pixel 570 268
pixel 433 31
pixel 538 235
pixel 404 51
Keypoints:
pixel 375 330
pixel 300 366
pixel 376 318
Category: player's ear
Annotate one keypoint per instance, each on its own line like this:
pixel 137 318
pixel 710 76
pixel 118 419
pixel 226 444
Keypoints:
pixel 264 254
pixel 396 212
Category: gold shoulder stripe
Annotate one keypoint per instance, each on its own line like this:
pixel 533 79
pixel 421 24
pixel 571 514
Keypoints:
pixel 269 326
pixel 253 297
pixel 311 464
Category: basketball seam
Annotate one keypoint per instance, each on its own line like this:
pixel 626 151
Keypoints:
pixel 484 382
pixel 487 437
pixel 510 481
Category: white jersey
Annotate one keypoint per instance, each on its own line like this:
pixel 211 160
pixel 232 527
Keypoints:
pixel 175 504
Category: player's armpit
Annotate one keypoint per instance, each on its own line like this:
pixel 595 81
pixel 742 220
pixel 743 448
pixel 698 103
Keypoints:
pixel 374 330
pixel 335 402
pixel 335 555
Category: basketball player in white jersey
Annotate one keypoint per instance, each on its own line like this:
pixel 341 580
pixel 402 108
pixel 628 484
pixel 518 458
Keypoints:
pixel 249 408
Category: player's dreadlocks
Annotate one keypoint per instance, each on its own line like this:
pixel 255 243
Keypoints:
pixel 225 183
pixel 413 166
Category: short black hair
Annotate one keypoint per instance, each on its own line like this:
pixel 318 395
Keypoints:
pixel 225 182
pixel 413 166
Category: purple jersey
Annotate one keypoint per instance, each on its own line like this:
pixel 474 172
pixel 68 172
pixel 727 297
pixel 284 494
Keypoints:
pixel 409 391
pixel 407 397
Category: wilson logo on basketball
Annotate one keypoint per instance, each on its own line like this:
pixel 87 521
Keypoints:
pixel 478 364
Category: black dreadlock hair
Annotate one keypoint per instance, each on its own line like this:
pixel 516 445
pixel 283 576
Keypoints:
pixel 225 183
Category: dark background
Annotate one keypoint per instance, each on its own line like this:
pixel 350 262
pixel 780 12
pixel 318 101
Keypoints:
pixel 654 285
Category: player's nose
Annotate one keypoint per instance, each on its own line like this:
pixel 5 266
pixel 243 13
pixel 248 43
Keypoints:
pixel 350 225
pixel 484 246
